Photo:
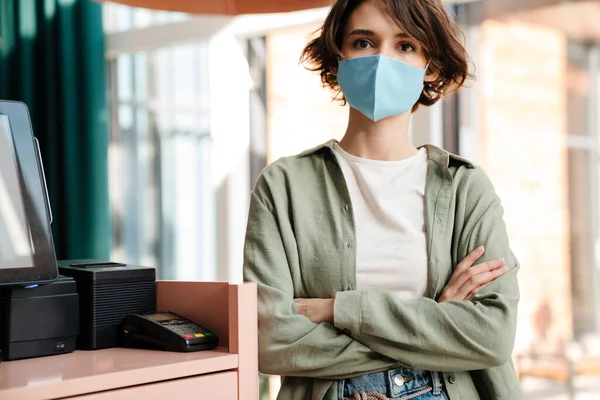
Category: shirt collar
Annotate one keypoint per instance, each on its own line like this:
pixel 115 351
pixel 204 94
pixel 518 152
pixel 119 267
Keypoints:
pixel 436 154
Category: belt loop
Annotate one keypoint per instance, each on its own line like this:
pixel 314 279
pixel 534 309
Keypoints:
pixel 341 386
pixel 436 380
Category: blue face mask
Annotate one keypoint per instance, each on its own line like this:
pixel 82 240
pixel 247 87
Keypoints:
pixel 379 86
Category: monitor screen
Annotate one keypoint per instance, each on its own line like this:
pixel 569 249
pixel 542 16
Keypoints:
pixel 15 236
pixel 27 256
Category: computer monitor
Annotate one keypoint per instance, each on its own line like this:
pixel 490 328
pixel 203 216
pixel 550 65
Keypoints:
pixel 27 256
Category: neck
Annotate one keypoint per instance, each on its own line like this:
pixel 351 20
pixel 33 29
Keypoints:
pixel 385 140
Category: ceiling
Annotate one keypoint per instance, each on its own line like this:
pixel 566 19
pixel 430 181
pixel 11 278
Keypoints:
pixel 227 7
pixel 236 7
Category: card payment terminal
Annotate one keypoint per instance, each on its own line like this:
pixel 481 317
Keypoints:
pixel 167 331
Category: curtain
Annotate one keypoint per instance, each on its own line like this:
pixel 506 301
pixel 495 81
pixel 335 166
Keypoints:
pixel 52 59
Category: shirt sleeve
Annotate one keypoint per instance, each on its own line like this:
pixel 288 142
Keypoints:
pixel 290 344
pixel 454 335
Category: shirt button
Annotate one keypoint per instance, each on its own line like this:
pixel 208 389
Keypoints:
pixel 346 208
pixel 399 380
pixel 452 379
pixel 349 244
pixel 438 221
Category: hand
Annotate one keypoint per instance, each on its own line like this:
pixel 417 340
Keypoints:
pixel 467 279
pixel 317 310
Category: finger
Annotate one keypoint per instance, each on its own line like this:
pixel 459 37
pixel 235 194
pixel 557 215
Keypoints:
pixel 444 297
pixel 300 305
pixel 477 290
pixel 466 263
pixel 472 272
pixel 478 280
pixel 460 278
pixel 479 275
pixel 481 279
pixel 470 259
pixel 484 267
pixel 487 277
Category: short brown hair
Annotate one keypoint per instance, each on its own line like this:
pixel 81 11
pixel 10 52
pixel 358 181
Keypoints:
pixel 427 21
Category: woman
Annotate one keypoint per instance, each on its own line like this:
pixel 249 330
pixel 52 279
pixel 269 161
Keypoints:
pixel 383 270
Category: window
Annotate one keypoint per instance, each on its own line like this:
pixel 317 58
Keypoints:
pixel 531 120
pixel 162 202
pixel 583 66
pixel 120 18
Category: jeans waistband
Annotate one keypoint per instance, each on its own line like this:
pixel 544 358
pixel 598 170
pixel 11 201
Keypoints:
pixel 393 383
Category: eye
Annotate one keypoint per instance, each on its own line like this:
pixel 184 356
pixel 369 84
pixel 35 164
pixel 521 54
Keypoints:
pixel 406 47
pixel 362 44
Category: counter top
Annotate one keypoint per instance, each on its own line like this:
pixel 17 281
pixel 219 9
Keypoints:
pixel 67 374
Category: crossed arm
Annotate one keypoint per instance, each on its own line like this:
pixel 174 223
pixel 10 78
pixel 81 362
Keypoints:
pixel 470 327
pixel 467 280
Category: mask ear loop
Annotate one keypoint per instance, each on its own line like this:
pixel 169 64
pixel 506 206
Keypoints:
pixel 427 84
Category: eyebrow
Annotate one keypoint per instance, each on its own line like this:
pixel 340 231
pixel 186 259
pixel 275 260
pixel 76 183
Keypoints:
pixel 368 32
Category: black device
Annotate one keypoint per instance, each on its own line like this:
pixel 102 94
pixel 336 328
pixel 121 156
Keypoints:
pixel 109 292
pixel 166 331
pixel 40 321
pixel 27 256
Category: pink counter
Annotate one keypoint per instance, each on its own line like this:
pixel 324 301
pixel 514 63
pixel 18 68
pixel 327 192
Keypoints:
pixel 225 373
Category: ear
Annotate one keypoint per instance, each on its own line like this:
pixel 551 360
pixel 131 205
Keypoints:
pixel 333 70
pixel 430 75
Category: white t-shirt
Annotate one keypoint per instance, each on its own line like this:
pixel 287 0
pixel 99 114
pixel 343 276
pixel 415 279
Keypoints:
pixel 388 198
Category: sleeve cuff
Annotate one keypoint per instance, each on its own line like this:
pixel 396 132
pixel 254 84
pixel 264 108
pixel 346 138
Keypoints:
pixel 347 312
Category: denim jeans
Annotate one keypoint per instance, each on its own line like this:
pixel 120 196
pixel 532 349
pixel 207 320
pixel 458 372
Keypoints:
pixel 396 384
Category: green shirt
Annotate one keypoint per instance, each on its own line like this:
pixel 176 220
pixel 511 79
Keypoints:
pixel 300 243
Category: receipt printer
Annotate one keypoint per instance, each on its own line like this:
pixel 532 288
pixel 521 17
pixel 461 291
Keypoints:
pixel 108 293
pixel 39 321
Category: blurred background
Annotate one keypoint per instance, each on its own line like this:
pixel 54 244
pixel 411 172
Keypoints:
pixel 155 124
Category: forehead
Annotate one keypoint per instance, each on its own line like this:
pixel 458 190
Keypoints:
pixel 373 15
